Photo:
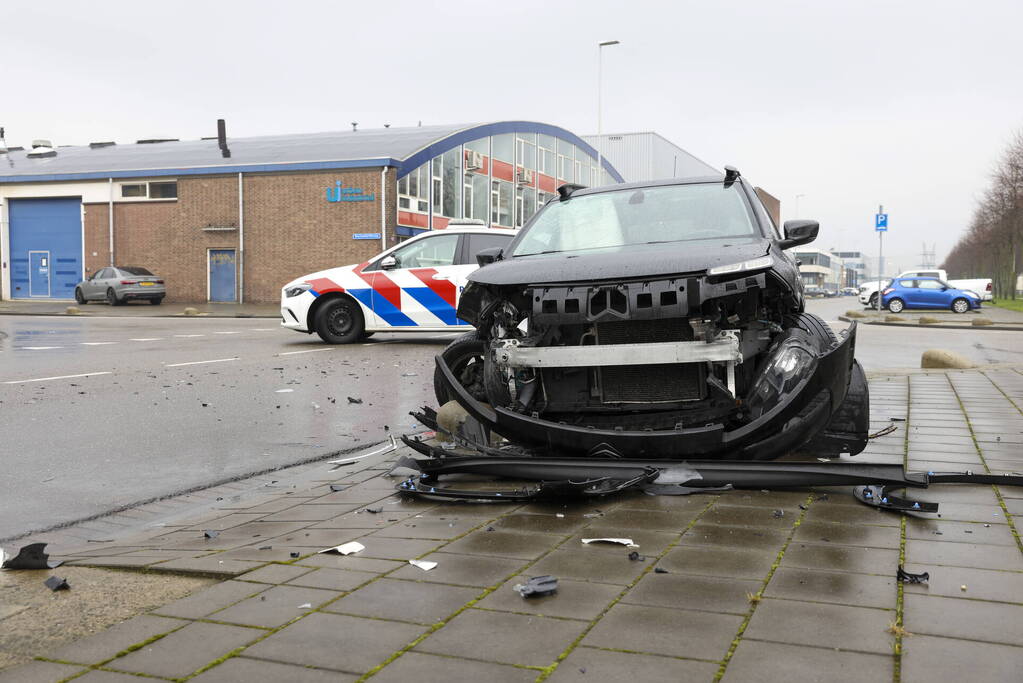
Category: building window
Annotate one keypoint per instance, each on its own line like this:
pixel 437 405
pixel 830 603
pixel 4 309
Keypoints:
pixel 479 194
pixel 504 147
pixel 156 190
pixel 526 151
pixel 452 175
pixel 501 194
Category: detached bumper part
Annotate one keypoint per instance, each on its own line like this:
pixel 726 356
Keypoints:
pixel 801 410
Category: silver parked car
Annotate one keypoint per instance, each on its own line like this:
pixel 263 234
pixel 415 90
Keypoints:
pixel 117 285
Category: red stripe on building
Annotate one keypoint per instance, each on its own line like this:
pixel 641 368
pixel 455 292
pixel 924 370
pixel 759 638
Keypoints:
pixel 546 183
pixel 383 286
pixel 414 220
pixel 445 289
pixel 439 222
pixel 324 284
pixel 504 171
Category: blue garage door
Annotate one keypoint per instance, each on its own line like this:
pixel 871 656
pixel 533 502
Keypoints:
pixel 46 247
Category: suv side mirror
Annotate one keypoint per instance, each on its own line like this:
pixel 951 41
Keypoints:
pixel 799 232
pixel 389 263
pixel 489 255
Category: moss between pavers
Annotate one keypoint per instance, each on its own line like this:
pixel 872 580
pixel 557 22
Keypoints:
pixel 755 599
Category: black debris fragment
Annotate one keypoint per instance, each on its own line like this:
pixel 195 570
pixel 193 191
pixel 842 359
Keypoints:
pixel 211 533
pixel 636 557
pixel 898 419
pixel 778 514
pixel 57 583
pixel 31 556
pixel 354 400
pixel 802 506
pixel 660 570
pixel 294 554
pixel 374 511
pixel 337 487
pixel 537 586
pixel 266 547
pixel 887 430
pixel 906 577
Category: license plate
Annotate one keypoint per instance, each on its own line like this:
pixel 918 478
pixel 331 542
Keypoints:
pixel 147 284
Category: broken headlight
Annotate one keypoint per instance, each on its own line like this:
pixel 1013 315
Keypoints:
pixel 752 264
pixel 295 290
pixel 792 360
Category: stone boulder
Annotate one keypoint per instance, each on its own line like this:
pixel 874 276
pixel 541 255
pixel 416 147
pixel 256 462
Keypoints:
pixel 942 358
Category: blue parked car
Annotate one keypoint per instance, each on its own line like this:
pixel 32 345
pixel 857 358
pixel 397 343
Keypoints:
pixel 927 292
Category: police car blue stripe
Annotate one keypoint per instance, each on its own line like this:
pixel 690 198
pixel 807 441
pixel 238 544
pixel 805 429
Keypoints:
pixel 435 304
pixel 382 307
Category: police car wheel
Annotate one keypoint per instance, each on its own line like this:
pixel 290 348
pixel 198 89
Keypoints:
pixel 339 321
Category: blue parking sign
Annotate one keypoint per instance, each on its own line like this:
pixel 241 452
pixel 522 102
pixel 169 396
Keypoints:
pixel 881 222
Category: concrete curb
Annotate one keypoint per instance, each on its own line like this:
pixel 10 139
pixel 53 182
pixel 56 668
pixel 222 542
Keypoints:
pixel 202 314
pixel 942 325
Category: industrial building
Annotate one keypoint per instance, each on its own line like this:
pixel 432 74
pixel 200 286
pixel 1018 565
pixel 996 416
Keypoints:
pixel 232 219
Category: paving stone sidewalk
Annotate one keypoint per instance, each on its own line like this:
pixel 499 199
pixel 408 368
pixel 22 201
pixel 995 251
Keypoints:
pixel 757 586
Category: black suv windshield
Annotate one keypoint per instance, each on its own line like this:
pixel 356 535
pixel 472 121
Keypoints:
pixel 648 215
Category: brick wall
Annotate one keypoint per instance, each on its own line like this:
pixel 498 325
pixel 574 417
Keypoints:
pixel 290 229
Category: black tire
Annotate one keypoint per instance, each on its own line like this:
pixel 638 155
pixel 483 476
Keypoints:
pixel 960 305
pixel 156 302
pixel 899 305
pixel 339 321
pixel 367 335
pixel 112 297
pixel 465 358
pixel 872 302
pixel 79 297
pixel 815 326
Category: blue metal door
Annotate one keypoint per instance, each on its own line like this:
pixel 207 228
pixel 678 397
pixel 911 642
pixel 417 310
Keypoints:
pixel 39 273
pixel 223 275
pixel 54 228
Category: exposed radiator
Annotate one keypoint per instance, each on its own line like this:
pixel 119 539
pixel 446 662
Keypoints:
pixel 649 383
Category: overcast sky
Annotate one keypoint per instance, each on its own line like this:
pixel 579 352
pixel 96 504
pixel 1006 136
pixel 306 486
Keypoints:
pixel 908 103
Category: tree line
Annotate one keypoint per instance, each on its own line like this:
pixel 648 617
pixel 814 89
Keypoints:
pixel 991 246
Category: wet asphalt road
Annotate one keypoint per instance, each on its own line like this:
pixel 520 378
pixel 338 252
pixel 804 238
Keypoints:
pixel 98 413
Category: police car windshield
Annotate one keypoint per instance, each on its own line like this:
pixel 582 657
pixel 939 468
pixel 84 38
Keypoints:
pixel 649 215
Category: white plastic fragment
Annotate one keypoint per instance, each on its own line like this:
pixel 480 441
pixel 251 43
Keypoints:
pixel 306 605
pixel 284 391
pixel 425 565
pixel 620 541
pixel 345 548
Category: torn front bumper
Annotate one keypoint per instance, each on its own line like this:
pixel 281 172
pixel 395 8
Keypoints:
pixel 796 418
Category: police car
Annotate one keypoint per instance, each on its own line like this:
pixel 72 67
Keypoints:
pixel 412 287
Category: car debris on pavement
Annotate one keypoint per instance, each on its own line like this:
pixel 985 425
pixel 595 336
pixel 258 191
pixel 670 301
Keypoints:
pixel 425 565
pixel 57 583
pixel 345 548
pixel 537 587
pixel 31 556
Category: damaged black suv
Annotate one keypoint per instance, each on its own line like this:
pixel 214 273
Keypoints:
pixel 655 320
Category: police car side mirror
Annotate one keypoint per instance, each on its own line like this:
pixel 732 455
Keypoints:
pixel 488 255
pixel 389 263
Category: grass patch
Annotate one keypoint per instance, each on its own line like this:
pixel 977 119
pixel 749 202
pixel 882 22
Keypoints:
pixel 1008 304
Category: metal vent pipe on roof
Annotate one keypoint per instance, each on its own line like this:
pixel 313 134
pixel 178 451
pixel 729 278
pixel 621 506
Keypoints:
pixel 222 139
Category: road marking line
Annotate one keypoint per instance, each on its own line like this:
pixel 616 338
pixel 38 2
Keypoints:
pixel 190 335
pixel 37 348
pixel 227 333
pixel 292 353
pixel 264 329
pixel 199 362
pixel 47 379
pixel 96 343
pixel 147 339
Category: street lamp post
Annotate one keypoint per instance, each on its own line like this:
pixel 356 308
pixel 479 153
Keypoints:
pixel 600 109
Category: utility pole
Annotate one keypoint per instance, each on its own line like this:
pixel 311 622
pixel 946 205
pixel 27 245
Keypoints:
pixel 600 109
